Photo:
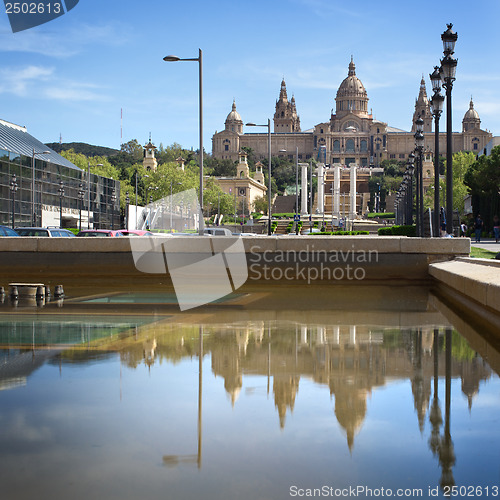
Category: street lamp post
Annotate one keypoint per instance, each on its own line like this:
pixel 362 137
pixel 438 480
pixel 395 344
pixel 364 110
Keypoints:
pixel 171 200
pixel 81 194
pixel 88 190
pixel 33 205
pixel 61 196
pixel 419 142
pixel 448 72
pixel 409 194
pixel 127 203
pixel 113 201
pixel 310 198
pixel 13 189
pixel 436 109
pixel 198 59
pixel 269 194
pixel 218 208
pixel 296 179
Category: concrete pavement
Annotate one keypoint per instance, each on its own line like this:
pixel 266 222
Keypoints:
pixel 486 244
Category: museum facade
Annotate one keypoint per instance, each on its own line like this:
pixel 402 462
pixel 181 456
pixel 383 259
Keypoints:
pixel 351 135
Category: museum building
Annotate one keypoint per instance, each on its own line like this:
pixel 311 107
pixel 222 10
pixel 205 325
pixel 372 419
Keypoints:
pixel 351 135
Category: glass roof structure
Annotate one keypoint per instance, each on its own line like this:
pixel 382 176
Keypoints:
pixel 16 139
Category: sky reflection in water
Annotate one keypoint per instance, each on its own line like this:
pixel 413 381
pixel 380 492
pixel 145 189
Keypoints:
pixel 276 405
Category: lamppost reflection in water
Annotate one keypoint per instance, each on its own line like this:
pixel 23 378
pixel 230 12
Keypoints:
pixel 446 447
pixel 174 460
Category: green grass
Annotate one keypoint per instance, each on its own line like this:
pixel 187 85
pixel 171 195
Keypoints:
pixel 480 253
pixel 382 215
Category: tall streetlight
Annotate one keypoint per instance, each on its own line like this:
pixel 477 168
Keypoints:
pixel 127 203
pixel 419 143
pixel 61 196
pixel 296 178
pixel 13 189
pixel 113 201
pixel 269 196
pixel 448 72
pixel 436 109
pixel 171 199
pixel 198 59
pixel 409 191
pixel 81 194
pixel 88 191
pixel 33 207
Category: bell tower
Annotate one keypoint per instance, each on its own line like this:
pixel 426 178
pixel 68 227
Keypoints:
pixel 243 171
pixel 286 119
pixel 422 109
pixel 149 160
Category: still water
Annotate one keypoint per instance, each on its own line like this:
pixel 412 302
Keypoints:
pixel 246 401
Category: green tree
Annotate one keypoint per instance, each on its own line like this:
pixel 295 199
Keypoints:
pixel 261 204
pixel 483 180
pixel 133 149
pixel 461 164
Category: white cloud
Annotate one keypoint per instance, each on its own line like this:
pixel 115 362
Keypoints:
pixel 72 92
pixel 19 81
pixel 66 43
pixel 40 81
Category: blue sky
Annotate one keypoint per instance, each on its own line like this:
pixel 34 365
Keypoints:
pixel 73 75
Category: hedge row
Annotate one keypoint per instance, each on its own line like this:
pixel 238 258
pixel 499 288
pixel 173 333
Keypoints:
pixel 397 231
pixel 340 233
pixel 382 215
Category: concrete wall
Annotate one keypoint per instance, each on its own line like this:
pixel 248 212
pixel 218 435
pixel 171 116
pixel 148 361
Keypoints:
pixel 280 260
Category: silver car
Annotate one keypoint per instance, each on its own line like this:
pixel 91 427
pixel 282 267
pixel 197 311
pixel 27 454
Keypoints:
pixel 47 232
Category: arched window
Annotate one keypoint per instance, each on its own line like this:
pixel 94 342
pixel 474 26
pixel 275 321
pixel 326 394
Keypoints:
pixel 336 145
pixel 349 145
pixel 363 145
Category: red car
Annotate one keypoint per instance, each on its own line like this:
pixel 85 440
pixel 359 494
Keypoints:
pixel 99 233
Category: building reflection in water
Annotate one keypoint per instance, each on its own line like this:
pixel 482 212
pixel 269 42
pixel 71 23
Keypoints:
pixel 350 360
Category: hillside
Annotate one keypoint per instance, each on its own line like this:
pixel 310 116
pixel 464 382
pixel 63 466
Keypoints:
pixel 82 147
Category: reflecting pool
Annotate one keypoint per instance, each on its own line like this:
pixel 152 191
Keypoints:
pixel 256 399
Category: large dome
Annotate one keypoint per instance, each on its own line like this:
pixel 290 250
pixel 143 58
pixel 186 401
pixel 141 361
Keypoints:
pixel 351 96
pixel 471 113
pixel 351 86
pixel 234 116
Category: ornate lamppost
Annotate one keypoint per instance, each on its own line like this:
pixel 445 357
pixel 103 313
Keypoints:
pixel 113 201
pixel 419 142
pixel 269 191
pixel 61 196
pixel 411 171
pixel 81 194
pixel 448 72
pixel 127 203
pixel 436 110
pixel 13 189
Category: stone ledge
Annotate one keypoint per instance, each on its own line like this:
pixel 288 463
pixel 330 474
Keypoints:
pixel 383 244
pixel 474 280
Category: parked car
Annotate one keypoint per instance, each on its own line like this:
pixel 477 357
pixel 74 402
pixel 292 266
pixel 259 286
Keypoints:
pixel 217 231
pixel 136 232
pixel 47 232
pixel 7 231
pixel 99 233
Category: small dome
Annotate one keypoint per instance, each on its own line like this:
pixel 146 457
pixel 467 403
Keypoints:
pixel 234 116
pixel 471 113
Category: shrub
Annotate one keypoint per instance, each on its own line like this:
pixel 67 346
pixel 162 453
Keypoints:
pixel 284 215
pixel 397 231
pixel 382 215
pixel 341 233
